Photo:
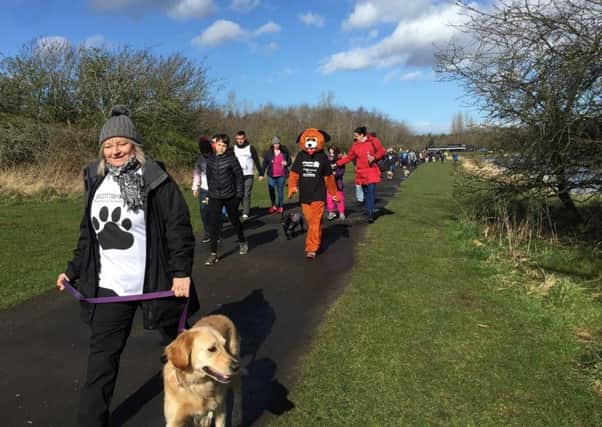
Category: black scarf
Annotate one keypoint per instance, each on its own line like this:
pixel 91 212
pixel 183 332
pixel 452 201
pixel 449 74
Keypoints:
pixel 130 183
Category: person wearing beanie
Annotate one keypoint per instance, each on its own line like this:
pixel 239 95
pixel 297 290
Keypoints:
pixel 276 162
pixel 135 238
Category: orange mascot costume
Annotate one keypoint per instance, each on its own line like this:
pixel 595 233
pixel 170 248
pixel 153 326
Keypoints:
pixel 311 176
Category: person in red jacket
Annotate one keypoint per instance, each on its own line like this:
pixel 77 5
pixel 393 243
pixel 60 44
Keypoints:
pixel 366 150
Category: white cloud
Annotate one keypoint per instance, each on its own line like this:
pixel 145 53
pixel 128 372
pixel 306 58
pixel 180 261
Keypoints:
pixel 373 34
pixel 186 9
pixel 175 9
pixel 368 13
pixel 411 43
pixel 219 32
pixel 364 15
pixel 97 40
pixel 310 19
pixel 223 31
pixel 244 5
pixel 414 75
pixel 270 27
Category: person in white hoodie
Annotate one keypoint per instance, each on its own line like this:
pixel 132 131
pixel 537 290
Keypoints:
pixel 249 161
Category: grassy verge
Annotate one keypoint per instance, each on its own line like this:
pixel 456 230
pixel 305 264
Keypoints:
pixel 427 333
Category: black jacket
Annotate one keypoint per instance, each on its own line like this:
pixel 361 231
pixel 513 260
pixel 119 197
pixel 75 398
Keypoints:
pixel 169 246
pixel 224 176
pixel 268 160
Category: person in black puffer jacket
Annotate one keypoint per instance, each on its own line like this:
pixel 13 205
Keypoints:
pixel 226 188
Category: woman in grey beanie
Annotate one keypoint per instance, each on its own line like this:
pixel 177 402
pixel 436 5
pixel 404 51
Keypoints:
pixel 135 238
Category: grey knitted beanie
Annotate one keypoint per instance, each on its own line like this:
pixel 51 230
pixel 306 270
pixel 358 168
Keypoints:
pixel 119 124
pixel 275 140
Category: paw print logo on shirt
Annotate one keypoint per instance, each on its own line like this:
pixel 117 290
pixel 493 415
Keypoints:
pixel 113 234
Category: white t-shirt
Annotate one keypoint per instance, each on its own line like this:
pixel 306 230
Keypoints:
pixel 245 158
pixel 121 235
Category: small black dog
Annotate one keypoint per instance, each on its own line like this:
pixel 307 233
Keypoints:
pixel 290 222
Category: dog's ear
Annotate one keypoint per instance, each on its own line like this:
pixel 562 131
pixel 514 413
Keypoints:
pixel 178 352
pixel 326 136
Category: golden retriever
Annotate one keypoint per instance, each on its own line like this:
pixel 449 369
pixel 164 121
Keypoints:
pixel 202 365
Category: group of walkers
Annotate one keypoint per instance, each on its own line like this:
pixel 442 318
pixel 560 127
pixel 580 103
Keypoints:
pixel 221 185
pixel 136 235
pixel 408 160
pixel 223 179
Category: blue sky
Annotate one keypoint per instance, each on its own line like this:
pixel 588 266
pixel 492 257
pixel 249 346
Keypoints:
pixel 375 54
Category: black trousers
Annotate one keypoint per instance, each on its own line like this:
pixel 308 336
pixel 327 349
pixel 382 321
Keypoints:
pixel 110 329
pixel 215 219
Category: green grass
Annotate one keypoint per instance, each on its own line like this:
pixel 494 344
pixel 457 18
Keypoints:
pixel 433 330
pixel 425 334
pixel 38 235
pixel 37 240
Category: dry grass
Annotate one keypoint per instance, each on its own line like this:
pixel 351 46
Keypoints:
pixel 38 179
pixel 49 179
pixel 480 167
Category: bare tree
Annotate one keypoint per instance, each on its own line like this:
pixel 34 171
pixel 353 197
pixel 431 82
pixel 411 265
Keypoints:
pixel 536 66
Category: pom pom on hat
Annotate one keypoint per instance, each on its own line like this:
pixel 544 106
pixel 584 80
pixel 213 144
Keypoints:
pixel 120 110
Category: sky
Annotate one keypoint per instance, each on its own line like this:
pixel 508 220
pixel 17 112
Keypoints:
pixel 374 54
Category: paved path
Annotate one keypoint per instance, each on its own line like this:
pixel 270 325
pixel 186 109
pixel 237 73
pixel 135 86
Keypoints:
pixel 275 297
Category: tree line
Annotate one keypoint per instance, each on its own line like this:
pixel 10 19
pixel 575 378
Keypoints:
pixel 54 97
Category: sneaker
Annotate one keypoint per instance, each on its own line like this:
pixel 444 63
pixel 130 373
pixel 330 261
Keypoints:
pixel 280 210
pixel 206 239
pixel 331 216
pixel 310 255
pixel 213 259
pixel 244 217
pixel 244 248
pixel 341 216
pixel 272 210
pixel 370 219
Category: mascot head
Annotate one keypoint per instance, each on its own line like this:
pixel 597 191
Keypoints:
pixel 312 140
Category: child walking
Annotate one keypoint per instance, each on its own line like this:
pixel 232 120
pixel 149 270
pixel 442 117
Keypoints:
pixel 334 154
pixel 226 186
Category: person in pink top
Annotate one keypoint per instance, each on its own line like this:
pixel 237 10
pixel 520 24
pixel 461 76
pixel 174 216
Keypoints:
pixel 366 150
pixel 276 162
pixel 338 171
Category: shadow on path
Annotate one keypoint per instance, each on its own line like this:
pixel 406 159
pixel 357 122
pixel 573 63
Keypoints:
pixel 135 402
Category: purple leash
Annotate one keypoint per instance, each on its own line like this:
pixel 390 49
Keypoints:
pixel 130 298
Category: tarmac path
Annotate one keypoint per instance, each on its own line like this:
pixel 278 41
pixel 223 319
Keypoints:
pixel 275 297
